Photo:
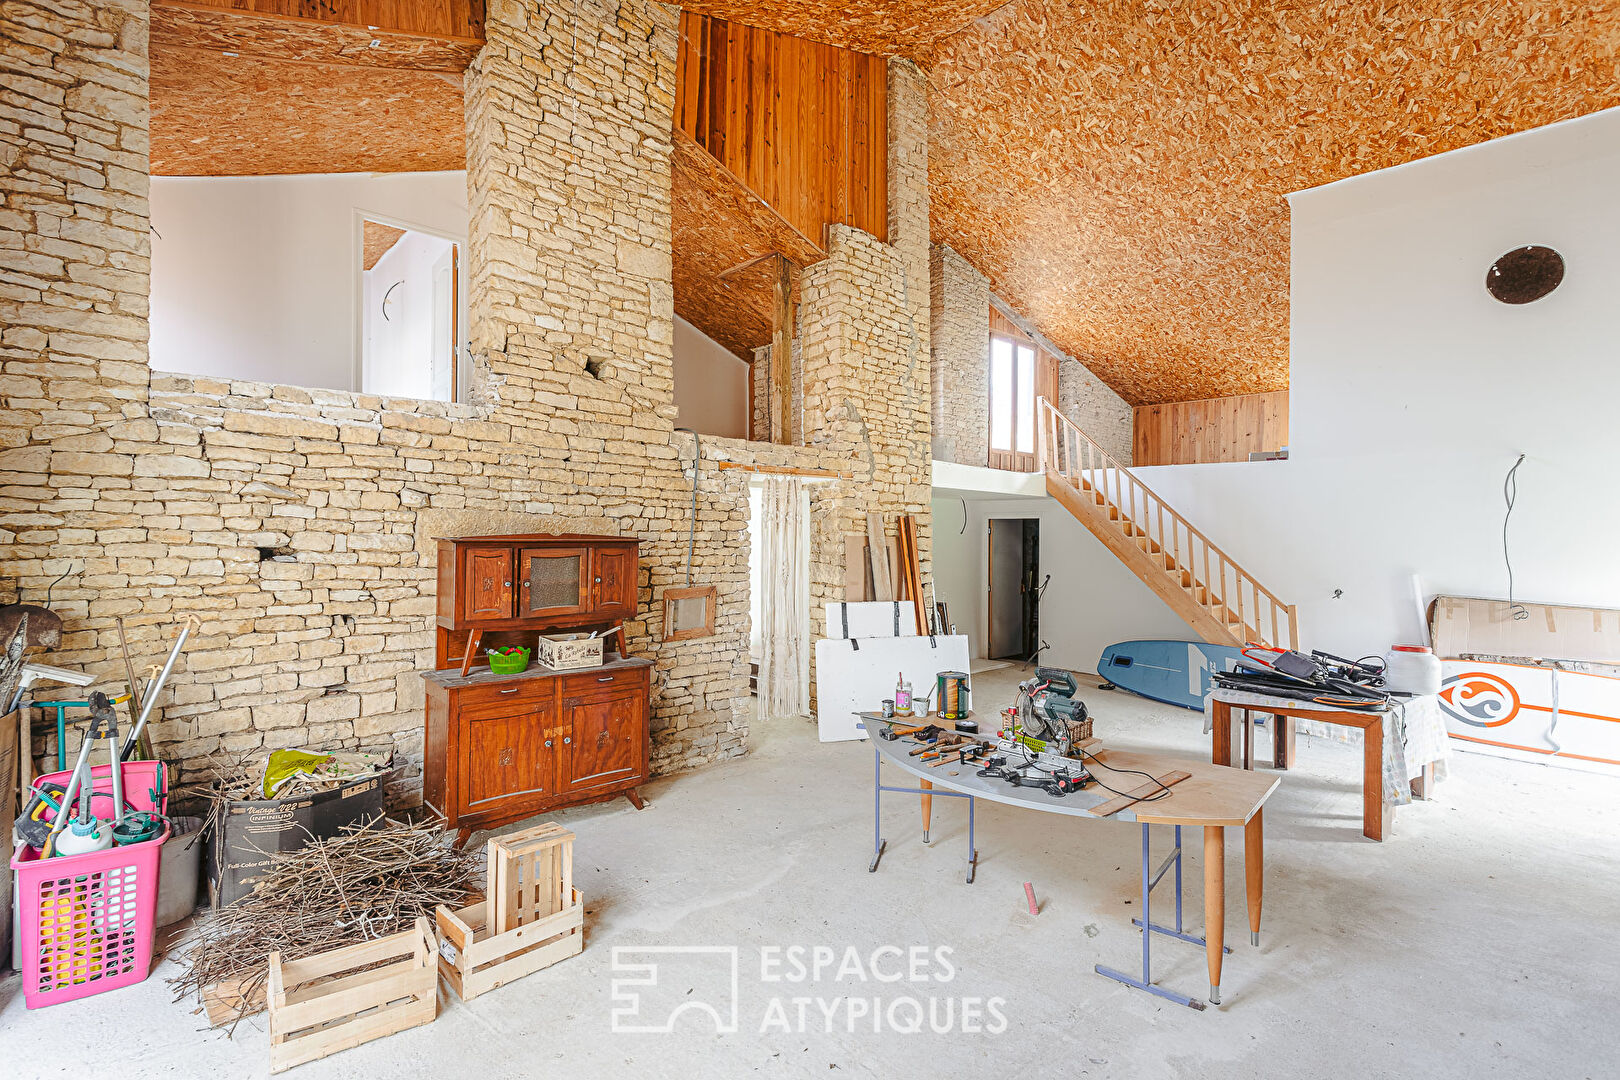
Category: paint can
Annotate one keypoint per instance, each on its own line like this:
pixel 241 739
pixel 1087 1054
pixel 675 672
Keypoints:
pixel 888 708
pixel 952 693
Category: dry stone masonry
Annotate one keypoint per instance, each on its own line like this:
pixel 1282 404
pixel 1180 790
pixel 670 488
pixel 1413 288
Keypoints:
pixel 296 525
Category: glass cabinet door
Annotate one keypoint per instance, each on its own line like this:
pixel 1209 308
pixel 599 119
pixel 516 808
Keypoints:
pixel 553 581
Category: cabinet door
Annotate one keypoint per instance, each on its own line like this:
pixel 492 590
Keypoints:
pixel 486 584
pixel 553 581
pixel 613 580
pixel 604 737
pixel 506 760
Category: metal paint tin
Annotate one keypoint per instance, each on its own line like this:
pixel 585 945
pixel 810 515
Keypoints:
pixel 953 695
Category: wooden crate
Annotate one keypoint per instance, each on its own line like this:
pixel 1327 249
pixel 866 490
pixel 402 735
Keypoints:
pixel 474 961
pixel 339 999
pixel 569 652
pixel 531 875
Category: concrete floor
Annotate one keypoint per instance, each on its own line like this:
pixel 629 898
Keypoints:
pixel 1478 941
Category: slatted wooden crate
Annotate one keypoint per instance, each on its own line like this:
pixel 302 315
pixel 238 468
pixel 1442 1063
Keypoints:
pixel 532 918
pixel 340 999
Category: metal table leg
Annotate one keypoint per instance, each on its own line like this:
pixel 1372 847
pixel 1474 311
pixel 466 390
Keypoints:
pixel 1151 878
pixel 878 788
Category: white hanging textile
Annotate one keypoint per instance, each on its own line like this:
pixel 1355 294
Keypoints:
pixel 784 571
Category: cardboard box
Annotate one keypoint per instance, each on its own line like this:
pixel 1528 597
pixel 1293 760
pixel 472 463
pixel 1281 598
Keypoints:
pixel 241 845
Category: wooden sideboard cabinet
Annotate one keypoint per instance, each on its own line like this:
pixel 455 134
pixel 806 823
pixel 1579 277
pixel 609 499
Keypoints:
pixel 500 748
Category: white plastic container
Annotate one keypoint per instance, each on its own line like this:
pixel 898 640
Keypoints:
pixel 1412 669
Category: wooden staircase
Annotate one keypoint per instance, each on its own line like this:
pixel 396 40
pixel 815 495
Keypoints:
pixel 1220 600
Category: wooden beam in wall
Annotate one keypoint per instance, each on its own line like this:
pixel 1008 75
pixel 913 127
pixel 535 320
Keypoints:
pixel 782 352
pixel 461 20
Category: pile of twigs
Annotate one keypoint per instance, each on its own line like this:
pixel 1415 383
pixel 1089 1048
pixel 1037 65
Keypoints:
pixel 366 882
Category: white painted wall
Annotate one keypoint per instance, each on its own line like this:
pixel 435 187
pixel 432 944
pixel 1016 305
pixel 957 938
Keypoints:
pixel 259 277
pixel 1413 391
pixel 711 385
pixel 1091 595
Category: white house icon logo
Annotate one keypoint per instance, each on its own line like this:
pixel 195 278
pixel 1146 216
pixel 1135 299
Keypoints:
pixel 657 988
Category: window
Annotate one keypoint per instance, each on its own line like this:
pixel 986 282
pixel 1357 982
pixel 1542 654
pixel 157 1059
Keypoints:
pixel 1013 391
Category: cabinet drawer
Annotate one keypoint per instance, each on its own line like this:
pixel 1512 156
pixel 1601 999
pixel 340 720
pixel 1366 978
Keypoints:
pixel 588 682
pixel 518 697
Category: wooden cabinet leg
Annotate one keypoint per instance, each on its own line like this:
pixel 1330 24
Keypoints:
pixel 1254 870
pixel 927 808
pixel 1372 780
pixel 473 638
pixel 1214 905
pixel 463 834
pixel 635 798
pixel 1221 746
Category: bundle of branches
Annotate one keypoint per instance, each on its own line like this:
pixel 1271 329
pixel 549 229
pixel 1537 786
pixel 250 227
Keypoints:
pixel 366 882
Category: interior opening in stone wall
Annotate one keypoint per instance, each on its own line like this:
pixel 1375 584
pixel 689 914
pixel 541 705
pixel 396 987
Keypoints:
pixel 292 171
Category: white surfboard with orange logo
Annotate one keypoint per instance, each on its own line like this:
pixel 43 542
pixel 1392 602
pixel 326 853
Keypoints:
pixel 1523 710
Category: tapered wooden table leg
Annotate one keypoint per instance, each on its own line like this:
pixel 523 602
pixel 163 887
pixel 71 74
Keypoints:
pixel 1214 905
pixel 927 808
pixel 1221 718
pixel 1254 872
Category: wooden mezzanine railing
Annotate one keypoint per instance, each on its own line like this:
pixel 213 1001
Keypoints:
pixel 1201 582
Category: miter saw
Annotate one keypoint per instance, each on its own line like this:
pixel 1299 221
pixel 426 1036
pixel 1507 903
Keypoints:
pixel 1036 747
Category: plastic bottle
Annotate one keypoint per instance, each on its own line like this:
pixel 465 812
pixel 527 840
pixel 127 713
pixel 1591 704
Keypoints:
pixel 902 696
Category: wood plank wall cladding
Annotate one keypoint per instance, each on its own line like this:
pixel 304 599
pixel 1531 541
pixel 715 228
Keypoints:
pixel 461 20
pixel 803 125
pixel 1214 429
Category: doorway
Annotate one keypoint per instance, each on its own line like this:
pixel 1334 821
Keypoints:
pixel 1015 566
pixel 410 310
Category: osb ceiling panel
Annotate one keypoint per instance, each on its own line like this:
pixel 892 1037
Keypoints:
pixel 274 37
pixel 722 233
pixel 377 239
pixel 215 115
pixel 1118 169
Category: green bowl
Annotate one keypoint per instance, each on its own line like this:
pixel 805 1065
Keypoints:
pixel 502 664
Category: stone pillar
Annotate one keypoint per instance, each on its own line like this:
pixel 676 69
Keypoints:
pixel 961 358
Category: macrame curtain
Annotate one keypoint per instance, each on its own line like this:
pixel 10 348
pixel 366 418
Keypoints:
pixel 784 572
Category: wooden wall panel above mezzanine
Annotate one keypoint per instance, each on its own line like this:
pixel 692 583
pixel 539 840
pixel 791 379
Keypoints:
pixel 1214 429
pixel 802 125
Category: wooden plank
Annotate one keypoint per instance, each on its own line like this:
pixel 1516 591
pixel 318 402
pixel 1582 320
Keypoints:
pixel 782 352
pixel 855 569
pixel 1136 794
pixel 1217 429
pixel 882 583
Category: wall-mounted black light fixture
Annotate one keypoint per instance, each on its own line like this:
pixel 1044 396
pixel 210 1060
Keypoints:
pixel 1525 274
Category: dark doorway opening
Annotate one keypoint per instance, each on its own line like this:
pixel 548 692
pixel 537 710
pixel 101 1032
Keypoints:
pixel 1015 567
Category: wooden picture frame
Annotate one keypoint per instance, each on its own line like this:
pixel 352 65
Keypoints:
pixel 710 598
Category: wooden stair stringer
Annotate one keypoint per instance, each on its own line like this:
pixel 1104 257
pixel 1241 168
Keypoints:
pixel 1149 568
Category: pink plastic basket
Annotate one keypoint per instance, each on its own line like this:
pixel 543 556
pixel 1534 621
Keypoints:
pixel 87 920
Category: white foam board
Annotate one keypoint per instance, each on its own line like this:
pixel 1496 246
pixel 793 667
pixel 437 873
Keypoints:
pixel 871 618
pixel 850 680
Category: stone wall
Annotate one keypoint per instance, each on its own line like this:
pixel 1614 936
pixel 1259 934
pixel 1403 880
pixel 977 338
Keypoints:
pixel 960 315
pixel 296 525
pixel 961 301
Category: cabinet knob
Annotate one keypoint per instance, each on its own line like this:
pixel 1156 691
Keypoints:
pixel 567 739
pixel 548 744
pixel 599 581
pixel 508 585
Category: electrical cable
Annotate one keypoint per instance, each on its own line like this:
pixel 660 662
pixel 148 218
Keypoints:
pixel 1510 495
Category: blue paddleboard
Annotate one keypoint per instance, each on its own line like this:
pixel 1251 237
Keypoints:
pixel 1174 672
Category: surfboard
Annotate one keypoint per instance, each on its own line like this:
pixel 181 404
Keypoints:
pixel 1525 711
pixel 1174 672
